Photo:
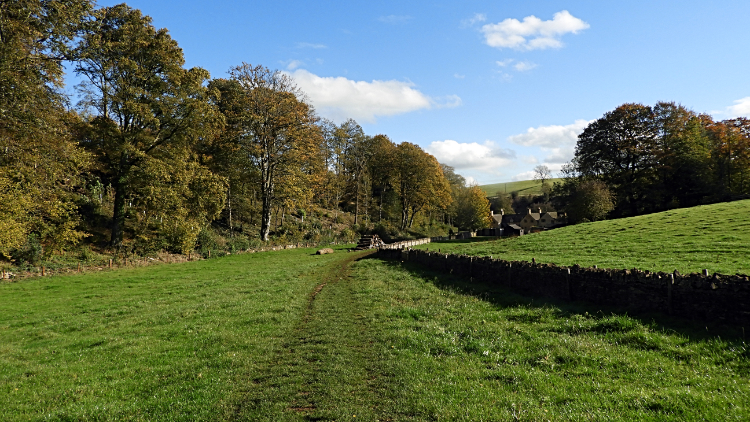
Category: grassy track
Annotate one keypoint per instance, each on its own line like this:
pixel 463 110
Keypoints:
pixel 163 343
pixel 287 336
pixel 714 237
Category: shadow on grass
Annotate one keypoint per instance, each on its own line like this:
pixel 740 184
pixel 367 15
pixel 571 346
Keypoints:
pixel 607 318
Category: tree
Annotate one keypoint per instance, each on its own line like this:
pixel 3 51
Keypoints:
pixel 473 209
pixel 457 185
pixel 420 182
pixel 620 149
pixel 278 132
pixel 591 201
pixel 39 162
pixel 542 173
pixel 145 105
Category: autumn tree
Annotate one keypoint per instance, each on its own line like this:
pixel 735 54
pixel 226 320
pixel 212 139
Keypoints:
pixel 591 201
pixel 473 209
pixel 420 182
pixel 381 169
pixel 39 163
pixel 146 108
pixel 457 185
pixel 277 130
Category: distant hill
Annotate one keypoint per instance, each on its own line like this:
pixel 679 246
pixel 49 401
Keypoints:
pixel 523 187
pixel 713 237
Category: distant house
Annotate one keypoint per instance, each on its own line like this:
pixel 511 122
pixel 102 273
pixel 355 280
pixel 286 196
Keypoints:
pixel 513 223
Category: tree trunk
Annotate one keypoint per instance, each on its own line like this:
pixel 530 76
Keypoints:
pixel 265 219
pixel 118 216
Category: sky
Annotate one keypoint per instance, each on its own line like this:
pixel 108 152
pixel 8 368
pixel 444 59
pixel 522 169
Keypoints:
pixel 492 88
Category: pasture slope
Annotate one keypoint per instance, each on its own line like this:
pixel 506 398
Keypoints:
pixel 714 237
pixel 523 187
pixel 290 336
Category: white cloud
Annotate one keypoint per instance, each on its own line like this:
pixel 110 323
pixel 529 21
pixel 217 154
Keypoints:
pixel 395 19
pixel 478 17
pixel 505 62
pixel 524 66
pixel 519 66
pixel 527 175
pixel 532 33
pixel 339 98
pixel 741 108
pixel 558 142
pixel 486 157
pixel 293 64
pixel 470 181
pixel 449 101
pixel 458 76
pixel 311 45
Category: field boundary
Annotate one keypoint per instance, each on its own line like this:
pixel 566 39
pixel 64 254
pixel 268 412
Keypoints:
pixel 716 297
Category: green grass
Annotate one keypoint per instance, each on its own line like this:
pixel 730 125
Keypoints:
pixel 288 336
pixel 523 187
pixel 714 237
pixel 164 343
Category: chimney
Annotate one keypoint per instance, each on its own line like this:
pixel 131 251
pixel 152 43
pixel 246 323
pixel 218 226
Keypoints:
pixel 529 210
pixel 540 211
pixel 492 212
pixel 502 211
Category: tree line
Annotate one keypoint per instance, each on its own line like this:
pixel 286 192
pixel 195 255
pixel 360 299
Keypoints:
pixel 154 153
pixel 639 159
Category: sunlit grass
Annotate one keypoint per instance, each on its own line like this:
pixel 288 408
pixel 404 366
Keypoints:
pixel 714 237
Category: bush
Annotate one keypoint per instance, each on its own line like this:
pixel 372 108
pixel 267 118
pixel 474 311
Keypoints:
pixel 30 253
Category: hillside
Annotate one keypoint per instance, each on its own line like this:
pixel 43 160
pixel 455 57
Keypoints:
pixel 713 237
pixel 523 187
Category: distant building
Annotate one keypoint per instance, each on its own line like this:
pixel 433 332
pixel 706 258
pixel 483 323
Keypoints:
pixel 518 224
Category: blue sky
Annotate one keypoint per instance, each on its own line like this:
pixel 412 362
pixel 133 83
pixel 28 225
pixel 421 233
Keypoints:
pixel 492 88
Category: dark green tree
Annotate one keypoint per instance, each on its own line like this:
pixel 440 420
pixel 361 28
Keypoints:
pixel 39 163
pixel 144 106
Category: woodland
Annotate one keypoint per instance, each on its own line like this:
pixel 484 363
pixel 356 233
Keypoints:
pixel 153 156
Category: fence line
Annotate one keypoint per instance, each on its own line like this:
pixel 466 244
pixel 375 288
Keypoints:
pixel 716 297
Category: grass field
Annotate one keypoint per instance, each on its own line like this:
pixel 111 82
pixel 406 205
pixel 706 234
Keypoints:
pixel 524 187
pixel 288 336
pixel 714 237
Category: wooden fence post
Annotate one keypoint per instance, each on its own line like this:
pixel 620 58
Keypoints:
pixel 110 263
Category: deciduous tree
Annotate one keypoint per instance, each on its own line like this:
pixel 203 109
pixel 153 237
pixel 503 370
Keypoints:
pixel 278 132
pixel 144 104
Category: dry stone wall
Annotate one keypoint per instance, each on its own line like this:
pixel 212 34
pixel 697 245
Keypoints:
pixel 724 298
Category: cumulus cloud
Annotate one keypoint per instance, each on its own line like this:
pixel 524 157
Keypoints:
pixel 487 157
pixel 558 142
pixel 741 108
pixel 477 18
pixel 532 33
pixel 395 19
pixel 339 98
